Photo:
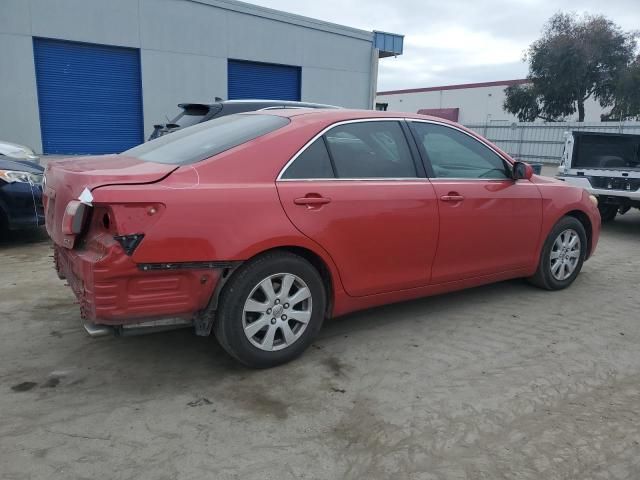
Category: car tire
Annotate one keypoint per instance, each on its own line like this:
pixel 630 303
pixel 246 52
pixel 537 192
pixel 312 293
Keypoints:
pixel 607 212
pixel 560 260
pixel 261 329
pixel 4 225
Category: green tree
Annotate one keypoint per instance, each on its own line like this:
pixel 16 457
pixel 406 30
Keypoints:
pixel 626 96
pixel 575 59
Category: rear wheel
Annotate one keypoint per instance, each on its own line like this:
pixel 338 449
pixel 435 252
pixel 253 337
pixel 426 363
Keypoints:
pixel 270 310
pixel 562 255
pixel 607 212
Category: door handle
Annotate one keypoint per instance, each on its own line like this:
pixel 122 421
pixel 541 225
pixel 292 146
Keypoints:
pixel 452 197
pixel 312 201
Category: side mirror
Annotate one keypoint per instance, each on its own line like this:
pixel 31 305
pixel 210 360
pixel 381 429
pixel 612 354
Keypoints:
pixel 522 171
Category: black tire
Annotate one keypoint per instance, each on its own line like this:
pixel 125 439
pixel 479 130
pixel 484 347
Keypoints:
pixel 544 278
pixel 607 212
pixel 4 226
pixel 228 325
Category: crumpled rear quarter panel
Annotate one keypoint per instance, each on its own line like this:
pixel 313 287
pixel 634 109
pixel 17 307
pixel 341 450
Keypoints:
pixel 112 290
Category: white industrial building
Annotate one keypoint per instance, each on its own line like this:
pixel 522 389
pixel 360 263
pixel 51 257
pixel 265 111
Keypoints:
pixel 470 103
pixel 93 76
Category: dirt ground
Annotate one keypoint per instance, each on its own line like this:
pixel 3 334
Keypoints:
pixel 499 382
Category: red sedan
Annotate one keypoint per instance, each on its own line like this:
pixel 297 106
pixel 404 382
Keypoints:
pixel 259 226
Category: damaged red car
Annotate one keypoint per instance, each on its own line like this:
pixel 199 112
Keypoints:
pixel 257 227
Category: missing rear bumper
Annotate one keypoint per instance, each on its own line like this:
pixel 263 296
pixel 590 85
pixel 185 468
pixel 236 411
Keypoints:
pixel 113 290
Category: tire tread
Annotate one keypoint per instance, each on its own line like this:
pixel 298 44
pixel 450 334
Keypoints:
pixel 231 297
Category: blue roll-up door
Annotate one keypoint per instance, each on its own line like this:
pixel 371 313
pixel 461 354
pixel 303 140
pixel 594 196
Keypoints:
pixel 90 97
pixel 262 80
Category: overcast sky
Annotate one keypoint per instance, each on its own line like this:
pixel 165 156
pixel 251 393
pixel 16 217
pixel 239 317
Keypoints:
pixel 455 41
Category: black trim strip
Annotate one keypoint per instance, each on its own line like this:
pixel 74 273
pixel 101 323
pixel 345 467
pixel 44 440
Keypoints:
pixel 186 265
pixel 413 148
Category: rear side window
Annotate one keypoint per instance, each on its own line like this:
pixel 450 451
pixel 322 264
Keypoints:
pixel 313 163
pixel 206 139
pixel 370 150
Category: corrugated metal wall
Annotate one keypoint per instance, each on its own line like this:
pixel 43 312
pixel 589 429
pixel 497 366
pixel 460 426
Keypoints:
pixel 542 142
pixel 262 80
pixel 89 97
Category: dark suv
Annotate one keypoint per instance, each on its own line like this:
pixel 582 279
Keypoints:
pixel 193 113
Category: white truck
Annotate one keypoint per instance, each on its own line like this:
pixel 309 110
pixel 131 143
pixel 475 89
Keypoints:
pixel 605 164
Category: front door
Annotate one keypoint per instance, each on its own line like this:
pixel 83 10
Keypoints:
pixel 357 193
pixel 489 223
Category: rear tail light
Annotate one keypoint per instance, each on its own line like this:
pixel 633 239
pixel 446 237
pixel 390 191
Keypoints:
pixel 126 223
pixel 75 217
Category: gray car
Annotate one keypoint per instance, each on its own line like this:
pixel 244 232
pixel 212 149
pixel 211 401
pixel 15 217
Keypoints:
pixel 13 151
pixel 193 113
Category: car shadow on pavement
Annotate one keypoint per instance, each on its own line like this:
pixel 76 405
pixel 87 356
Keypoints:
pixel 168 362
pixel 624 225
pixel 426 309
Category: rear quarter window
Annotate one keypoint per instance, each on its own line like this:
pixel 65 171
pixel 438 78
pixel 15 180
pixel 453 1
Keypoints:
pixel 196 143
pixel 312 163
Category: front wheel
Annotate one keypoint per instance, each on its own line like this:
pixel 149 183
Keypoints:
pixel 4 225
pixel 562 255
pixel 270 310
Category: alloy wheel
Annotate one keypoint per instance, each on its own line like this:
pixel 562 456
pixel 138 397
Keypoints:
pixel 277 312
pixel 565 254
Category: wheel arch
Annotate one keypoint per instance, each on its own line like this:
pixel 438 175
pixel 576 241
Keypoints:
pixel 583 218
pixel 321 266
pixel 325 268
pixel 318 262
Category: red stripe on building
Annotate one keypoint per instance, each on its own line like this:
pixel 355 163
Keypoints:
pixel 506 83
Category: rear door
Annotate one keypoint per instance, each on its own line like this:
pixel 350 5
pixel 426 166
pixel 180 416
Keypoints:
pixel 358 192
pixel 489 223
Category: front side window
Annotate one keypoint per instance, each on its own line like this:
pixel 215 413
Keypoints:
pixel 454 154
pixel 370 150
pixel 204 140
pixel 312 163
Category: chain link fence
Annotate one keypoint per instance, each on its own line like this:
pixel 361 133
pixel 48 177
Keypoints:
pixel 542 142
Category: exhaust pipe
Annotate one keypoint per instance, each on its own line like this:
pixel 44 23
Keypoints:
pixel 152 326
pixel 97 330
pixel 143 328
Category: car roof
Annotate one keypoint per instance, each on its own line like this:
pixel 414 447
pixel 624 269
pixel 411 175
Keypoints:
pixel 331 116
pixel 338 115
pixel 7 163
pixel 259 103
pixel 279 102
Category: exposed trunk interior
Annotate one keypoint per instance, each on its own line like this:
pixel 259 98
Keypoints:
pixel 609 151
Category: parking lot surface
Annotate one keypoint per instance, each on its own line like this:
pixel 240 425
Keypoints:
pixel 502 381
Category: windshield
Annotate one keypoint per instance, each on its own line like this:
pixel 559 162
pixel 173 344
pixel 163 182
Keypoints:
pixel 193 144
